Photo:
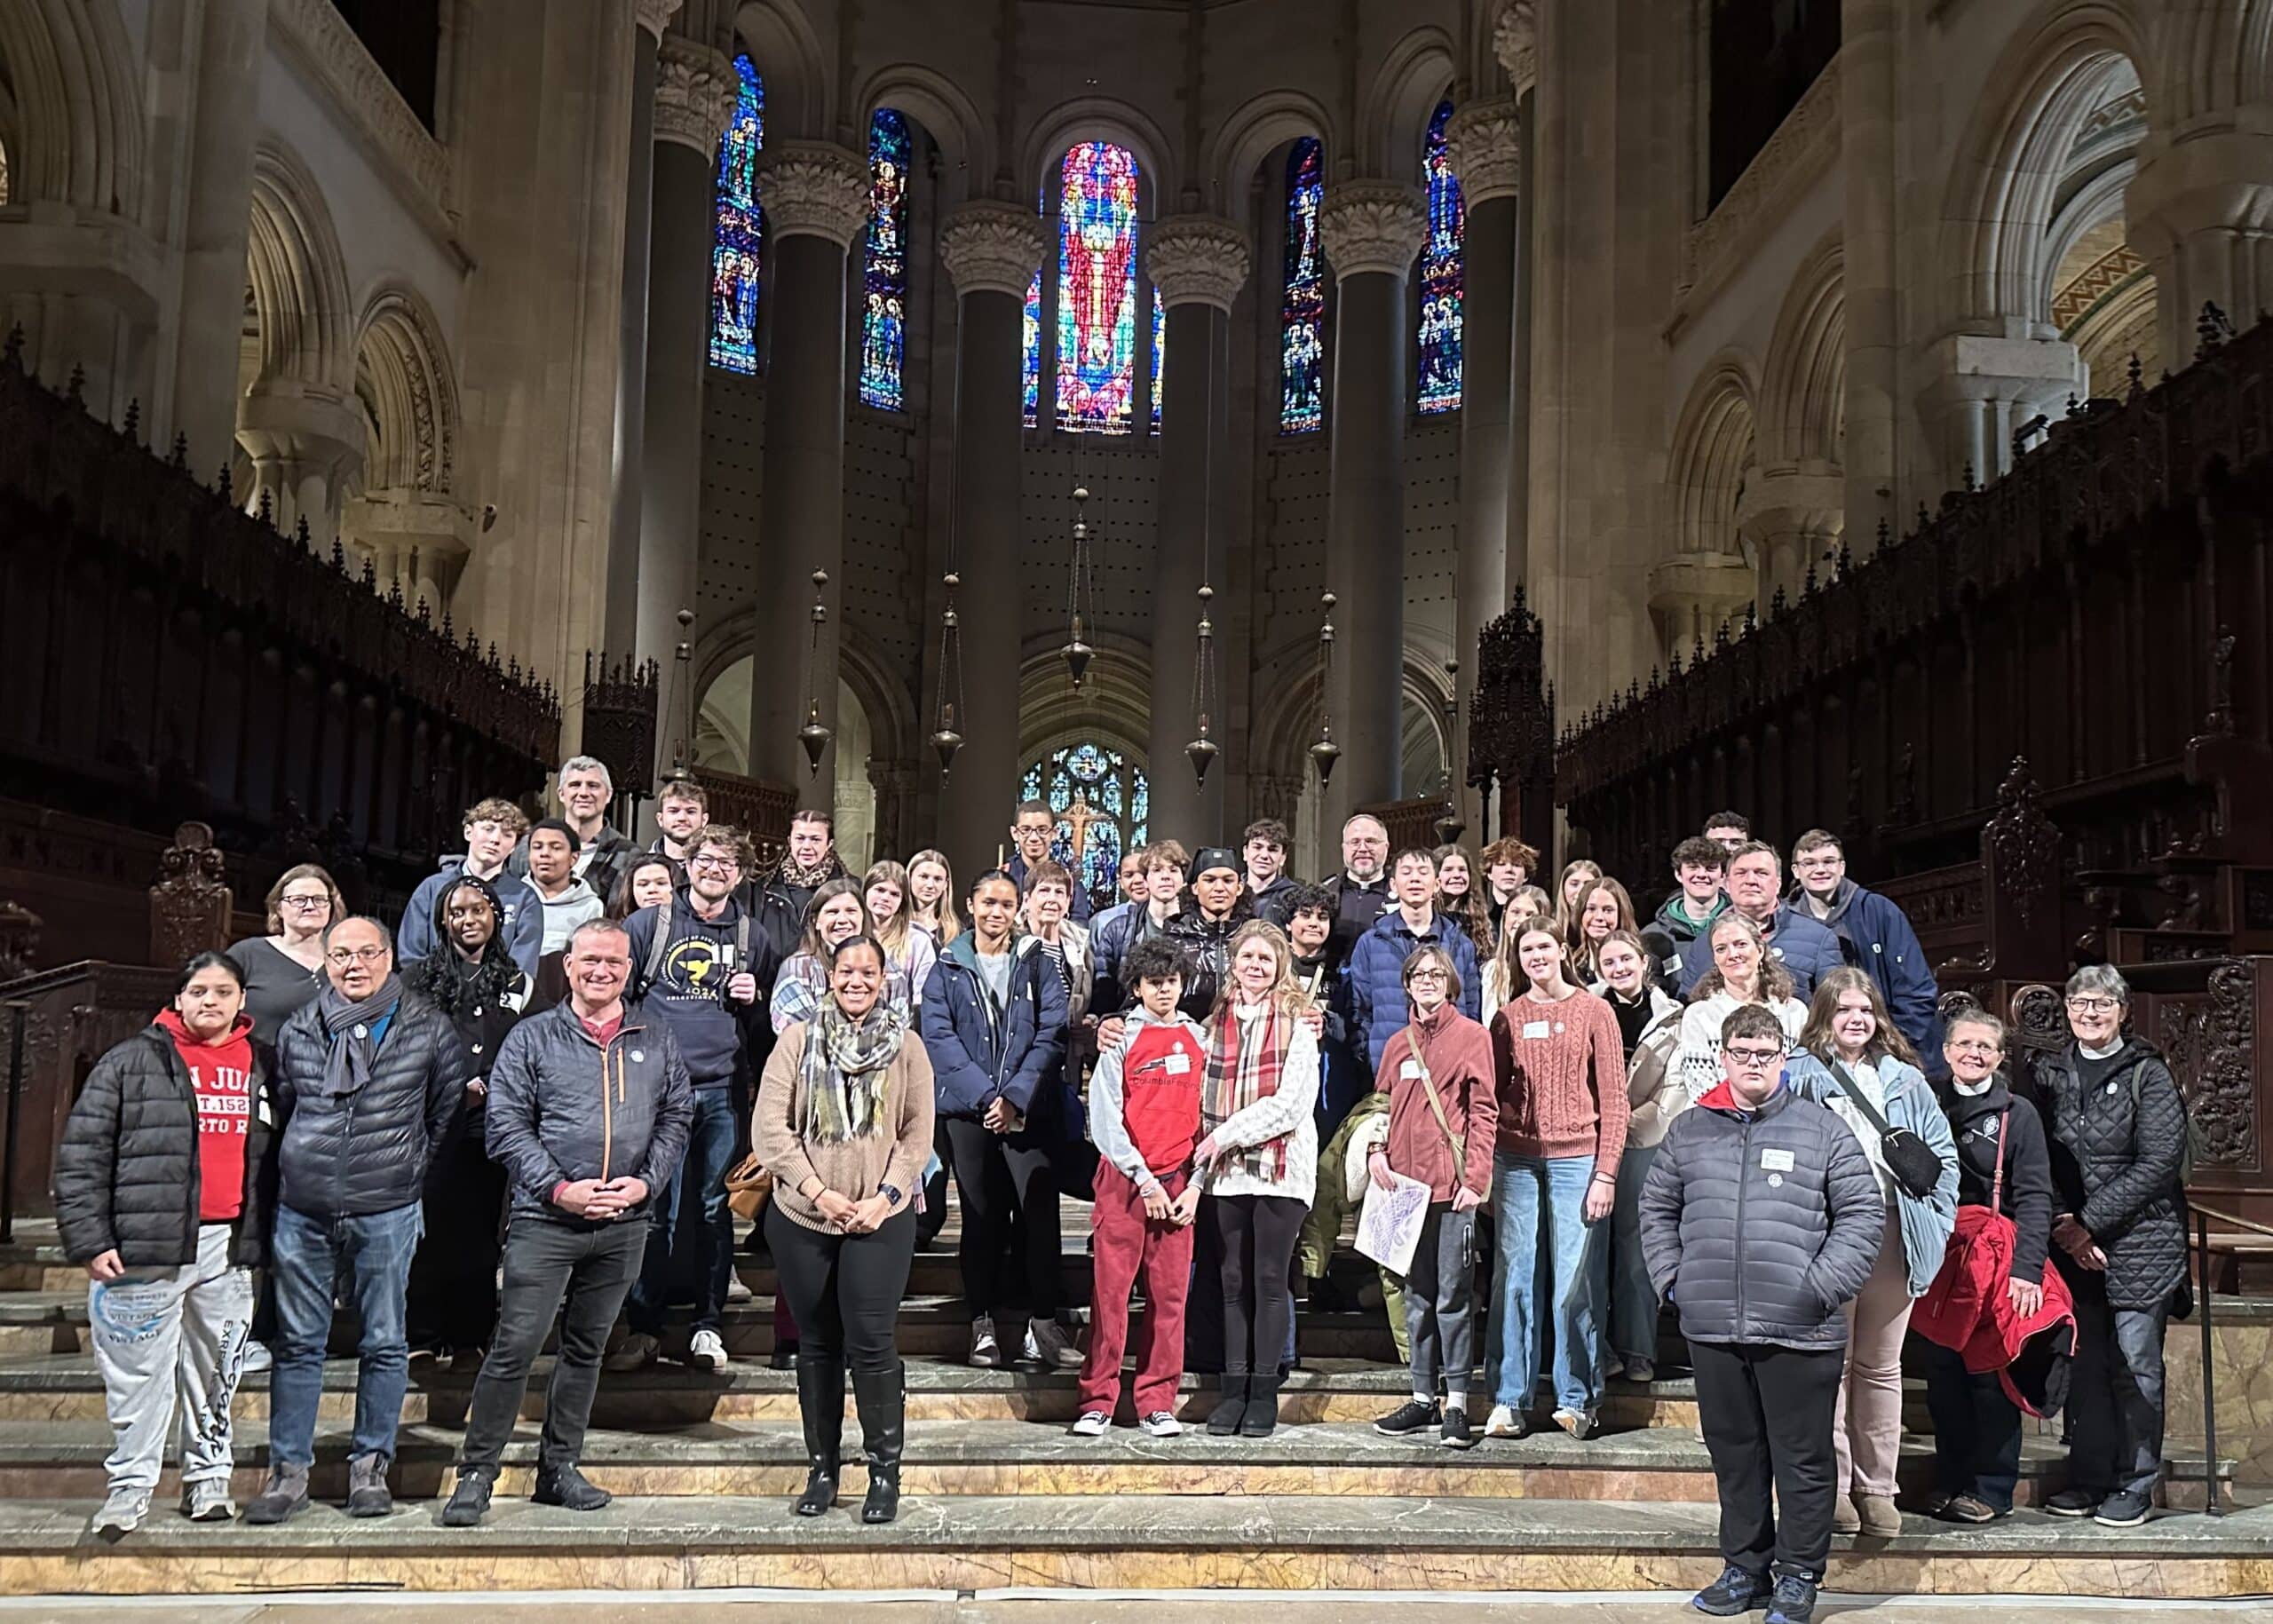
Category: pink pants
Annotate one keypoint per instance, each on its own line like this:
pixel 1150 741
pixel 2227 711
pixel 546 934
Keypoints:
pixel 1125 1240
pixel 1867 1422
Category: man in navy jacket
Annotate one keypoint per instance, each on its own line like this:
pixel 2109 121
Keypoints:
pixel 1755 882
pixel 993 1023
pixel 1875 936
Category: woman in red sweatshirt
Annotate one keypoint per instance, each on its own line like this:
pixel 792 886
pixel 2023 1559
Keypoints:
pixel 1443 1110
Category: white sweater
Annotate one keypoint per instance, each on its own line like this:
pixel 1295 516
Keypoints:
pixel 1698 1054
pixel 1290 1111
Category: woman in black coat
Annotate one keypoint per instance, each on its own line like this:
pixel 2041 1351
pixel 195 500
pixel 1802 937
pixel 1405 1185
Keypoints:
pixel 163 1191
pixel 470 977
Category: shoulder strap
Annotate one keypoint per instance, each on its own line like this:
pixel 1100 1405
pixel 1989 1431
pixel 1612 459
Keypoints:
pixel 741 940
pixel 1435 1104
pixel 1854 1091
pixel 1997 1184
pixel 658 945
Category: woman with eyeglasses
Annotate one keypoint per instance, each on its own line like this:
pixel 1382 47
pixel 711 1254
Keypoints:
pixel 284 969
pixel 2118 1135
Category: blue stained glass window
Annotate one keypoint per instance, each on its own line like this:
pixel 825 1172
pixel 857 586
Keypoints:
pixel 1160 350
pixel 883 322
pixel 1302 318
pixel 734 253
pixel 1440 275
pixel 1116 791
pixel 1096 289
pixel 1034 351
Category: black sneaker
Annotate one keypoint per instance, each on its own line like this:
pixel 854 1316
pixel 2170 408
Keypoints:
pixel 1410 1417
pixel 2123 1510
pixel 1794 1602
pixel 468 1500
pixel 2073 1503
pixel 566 1487
pixel 1736 1591
pixel 1457 1433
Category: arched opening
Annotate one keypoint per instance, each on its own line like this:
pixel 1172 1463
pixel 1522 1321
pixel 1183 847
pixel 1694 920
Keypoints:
pixel 722 742
pixel 2101 295
pixel 1103 786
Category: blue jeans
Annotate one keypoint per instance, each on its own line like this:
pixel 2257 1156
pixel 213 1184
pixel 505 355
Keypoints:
pixel 306 1257
pixel 1633 1301
pixel 1538 1205
pixel 701 1178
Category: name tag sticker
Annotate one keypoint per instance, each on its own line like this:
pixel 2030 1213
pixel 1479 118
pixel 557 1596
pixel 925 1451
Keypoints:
pixel 1534 1029
pixel 1175 1063
pixel 1410 1070
pixel 1775 1161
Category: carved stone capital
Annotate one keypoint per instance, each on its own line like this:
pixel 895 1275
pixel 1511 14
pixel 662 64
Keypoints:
pixel 993 247
pixel 813 189
pixel 654 15
pixel 1196 259
pixel 1486 138
pixel 1514 41
pixel 695 90
pixel 1373 225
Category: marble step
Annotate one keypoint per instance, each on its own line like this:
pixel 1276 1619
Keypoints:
pixel 67 1388
pixel 965 1457
pixel 1348 1543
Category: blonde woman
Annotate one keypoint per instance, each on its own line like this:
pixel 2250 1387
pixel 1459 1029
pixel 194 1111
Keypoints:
pixel 891 916
pixel 1743 972
pixel 932 896
pixel 1503 977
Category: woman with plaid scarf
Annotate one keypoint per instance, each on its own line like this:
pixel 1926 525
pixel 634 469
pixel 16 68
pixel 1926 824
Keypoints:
pixel 1258 1163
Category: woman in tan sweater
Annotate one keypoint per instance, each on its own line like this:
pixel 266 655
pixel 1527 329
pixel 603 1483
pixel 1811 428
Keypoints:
pixel 843 1123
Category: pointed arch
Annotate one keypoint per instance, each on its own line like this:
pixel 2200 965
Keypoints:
pixel 298 277
pixel 76 132
pixel 1803 391
pixel 799 87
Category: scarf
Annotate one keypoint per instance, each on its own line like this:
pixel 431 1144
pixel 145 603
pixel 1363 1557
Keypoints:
pixel 844 1069
pixel 1244 1060
pixel 820 874
pixel 348 1026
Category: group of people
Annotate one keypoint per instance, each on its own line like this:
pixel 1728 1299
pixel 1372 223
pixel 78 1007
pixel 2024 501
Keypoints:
pixel 1742 1107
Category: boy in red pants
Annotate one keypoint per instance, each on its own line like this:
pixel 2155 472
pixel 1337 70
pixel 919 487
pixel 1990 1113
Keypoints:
pixel 1145 1117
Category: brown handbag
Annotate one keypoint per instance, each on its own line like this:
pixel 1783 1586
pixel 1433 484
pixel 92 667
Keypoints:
pixel 749 1187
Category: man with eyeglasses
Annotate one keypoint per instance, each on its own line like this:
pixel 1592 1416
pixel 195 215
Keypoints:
pixel 367 1077
pixel 704 968
pixel 1760 1220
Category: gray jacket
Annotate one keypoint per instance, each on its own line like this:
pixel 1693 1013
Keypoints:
pixel 1758 1226
pixel 352 1155
pixel 562 1109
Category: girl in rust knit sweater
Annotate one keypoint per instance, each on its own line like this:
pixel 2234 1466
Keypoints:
pixel 1561 1066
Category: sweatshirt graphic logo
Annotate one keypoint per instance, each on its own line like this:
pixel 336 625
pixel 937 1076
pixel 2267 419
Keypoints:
pixel 699 965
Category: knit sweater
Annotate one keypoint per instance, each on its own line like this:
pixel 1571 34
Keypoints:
pixel 1697 1056
pixel 1458 1052
pixel 1562 1071
pixel 856 1168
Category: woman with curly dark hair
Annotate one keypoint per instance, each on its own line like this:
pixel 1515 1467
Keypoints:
pixel 471 977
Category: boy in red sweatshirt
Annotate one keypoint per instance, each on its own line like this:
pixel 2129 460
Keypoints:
pixel 1145 1119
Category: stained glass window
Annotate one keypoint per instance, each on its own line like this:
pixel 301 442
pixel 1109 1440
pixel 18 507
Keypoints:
pixel 1034 351
pixel 1440 288
pixel 1302 317
pixel 734 257
pixel 884 324
pixel 1118 797
pixel 1160 350
pixel 1096 289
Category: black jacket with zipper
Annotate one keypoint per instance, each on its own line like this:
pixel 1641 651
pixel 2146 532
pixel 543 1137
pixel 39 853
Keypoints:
pixel 126 1173
pixel 355 1155
pixel 562 1109
pixel 2115 1151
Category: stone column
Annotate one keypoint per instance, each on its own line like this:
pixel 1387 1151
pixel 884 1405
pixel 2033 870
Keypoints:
pixel 2201 213
pixel 1979 389
pixel 303 442
pixel 991 249
pixel 620 623
pixel 215 223
pixel 1198 262
pixel 1486 139
pixel 1691 593
pixel 1790 516
pixel 694 97
pixel 1870 34
pixel 816 199
pixel 1372 231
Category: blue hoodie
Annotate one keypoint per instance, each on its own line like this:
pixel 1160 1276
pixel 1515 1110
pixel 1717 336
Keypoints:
pixel 716 1039
pixel 523 926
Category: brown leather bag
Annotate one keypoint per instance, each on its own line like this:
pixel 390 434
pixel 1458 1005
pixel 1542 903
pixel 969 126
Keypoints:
pixel 749 1187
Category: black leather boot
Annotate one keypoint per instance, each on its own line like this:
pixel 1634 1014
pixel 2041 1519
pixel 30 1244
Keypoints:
pixel 821 1402
pixel 882 1398
pixel 1223 1419
pixel 1261 1417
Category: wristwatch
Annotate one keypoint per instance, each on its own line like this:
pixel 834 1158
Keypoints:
pixel 892 1193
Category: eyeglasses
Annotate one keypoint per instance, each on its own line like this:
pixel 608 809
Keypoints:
pixel 344 956
pixel 306 902
pixel 2094 1006
pixel 1426 975
pixel 1752 1059
pixel 716 865
pixel 1972 1046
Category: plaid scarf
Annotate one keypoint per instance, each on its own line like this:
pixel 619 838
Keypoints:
pixel 1243 1067
pixel 845 1068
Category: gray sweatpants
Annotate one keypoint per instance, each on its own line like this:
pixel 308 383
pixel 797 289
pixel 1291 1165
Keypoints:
pixel 166 1334
pixel 1440 1301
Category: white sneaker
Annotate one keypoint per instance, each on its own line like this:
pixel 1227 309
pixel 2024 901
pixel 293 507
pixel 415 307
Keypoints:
pixel 209 1501
pixel 1160 1423
pixel 1092 1425
pixel 121 1515
pixel 256 1357
pixel 637 1352
pixel 1502 1423
pixel 1047 1344
pixel 738 1289
pixel 1578 1424
pixel 707 1350
pixel 985 1352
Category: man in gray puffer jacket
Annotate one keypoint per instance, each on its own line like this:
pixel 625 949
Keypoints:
pixel 1760 1219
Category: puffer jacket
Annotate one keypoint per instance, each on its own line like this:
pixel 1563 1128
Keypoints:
pixel 366 1151
pixel 2115 1156
pixel 1925 1221
pixel 126 1171
pixel 1750 1249
pixel 562 1108
pixel 981 1052
pixel 1655 1093
pixel 1208 942
pixel 1379 1007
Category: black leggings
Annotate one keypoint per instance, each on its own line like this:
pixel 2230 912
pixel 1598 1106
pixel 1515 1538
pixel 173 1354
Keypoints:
pixel 844 1289
pixel 997 1179
pixel 1255 1242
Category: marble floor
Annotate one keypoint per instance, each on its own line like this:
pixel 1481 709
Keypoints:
pixel 1063 1607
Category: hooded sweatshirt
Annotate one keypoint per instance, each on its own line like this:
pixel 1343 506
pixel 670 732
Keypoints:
pixel 220 1075
pixel 577 905
pixel 689 987
pixel 523 924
